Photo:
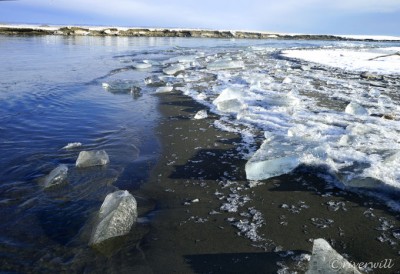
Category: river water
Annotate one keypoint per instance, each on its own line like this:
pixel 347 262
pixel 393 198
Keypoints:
pixel 52 93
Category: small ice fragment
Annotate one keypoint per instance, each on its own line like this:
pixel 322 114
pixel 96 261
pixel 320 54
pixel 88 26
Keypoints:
pixel 183 59
pixel 92 158
pixel 195 200
pixel 322 223
pixel 72 145
pixel 56 177
pixel 121 86
pixel 374 93
pixel 225 64
pixel 287 80
pixel 116 216
pixel 355 109
pixel 141 65
pixel 201 114
pixel 164 89
pixel 154 81
pixel 396 234
pixel 325 259
pixel 171 70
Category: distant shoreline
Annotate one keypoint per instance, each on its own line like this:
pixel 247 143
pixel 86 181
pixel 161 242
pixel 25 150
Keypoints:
pixel 30 30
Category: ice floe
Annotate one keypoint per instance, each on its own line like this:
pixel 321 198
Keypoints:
pixel 173 69
pixel 142 65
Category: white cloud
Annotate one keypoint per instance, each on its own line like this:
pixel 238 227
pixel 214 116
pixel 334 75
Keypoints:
pixel 246 14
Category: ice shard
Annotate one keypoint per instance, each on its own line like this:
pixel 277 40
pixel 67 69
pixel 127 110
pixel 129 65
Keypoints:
pixel 92 158
pixel 325 259
pixel 56 177
pixel 116 216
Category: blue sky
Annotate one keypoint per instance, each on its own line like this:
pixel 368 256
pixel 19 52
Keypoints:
pixel 295 16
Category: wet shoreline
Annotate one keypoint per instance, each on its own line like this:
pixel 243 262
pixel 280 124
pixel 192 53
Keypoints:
pixel 192 230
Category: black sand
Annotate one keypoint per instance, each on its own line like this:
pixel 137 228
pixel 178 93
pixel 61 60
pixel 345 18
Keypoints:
pixel 185 238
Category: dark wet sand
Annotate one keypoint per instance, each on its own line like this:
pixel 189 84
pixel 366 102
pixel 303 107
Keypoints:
pixel 185 238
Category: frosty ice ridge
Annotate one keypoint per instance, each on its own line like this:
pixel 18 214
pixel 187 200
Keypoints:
pixel 116 216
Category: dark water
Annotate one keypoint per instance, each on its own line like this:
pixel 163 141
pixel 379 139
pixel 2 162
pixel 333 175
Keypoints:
pixel 51 95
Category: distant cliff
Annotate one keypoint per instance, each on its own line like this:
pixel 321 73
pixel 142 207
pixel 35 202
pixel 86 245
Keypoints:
pixel 160 32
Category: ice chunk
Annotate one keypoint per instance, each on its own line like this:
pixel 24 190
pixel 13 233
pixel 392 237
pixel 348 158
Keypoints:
pixel 154 81
pixel 230 100
pixel 325 259
pixel 280 155
pixel 355 109
pixel 272 159
pixel 201 114
pixel 141 65
pixel 183 59
pixel 171 70
pixel 229 93
pixel 260 170
pixel 92 158
pixel 56 177
pixel 72 145
pixel 164 89
pixel 121 86
pixel 287 80
pixel 225 64
pixel 116 216
pixel 233 105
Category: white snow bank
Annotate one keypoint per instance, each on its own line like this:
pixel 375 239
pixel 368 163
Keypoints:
pixel 372 60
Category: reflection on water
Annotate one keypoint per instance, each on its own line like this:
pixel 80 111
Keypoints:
pixel 51 95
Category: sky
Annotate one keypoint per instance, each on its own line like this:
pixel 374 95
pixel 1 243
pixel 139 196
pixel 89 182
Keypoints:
pixel 372 17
